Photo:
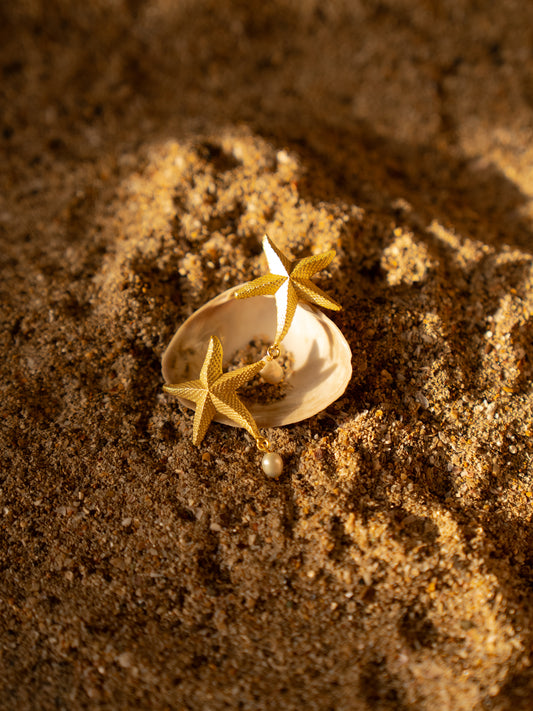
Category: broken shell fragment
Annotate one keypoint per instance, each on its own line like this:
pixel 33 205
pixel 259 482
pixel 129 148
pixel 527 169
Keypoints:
pixel 321 356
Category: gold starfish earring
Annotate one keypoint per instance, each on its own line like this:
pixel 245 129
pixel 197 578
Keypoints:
pixel 282 317
pixel 215 392
pixel 290 283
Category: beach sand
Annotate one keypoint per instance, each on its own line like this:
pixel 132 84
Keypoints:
pixel 146 148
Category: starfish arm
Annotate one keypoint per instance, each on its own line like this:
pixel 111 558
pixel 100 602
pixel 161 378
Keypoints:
pixel 233 408
pixel 286 302
pixel 277 261
pixel 205 411
pixel 212 366
pixel 306 267
pixel 266 284
pixel 307 291
pixel 234 379
pixel 191 390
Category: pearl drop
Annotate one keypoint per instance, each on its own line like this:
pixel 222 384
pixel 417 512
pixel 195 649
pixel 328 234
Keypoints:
pixel 272 373
pixel 272 464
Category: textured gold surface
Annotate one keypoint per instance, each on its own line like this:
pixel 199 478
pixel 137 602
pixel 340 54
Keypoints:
pixel 290 282
pixel 214 392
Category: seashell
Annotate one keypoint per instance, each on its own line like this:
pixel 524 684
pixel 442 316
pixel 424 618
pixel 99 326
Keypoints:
pixel 321 367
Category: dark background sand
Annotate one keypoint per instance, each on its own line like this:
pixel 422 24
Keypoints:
pixel 145 149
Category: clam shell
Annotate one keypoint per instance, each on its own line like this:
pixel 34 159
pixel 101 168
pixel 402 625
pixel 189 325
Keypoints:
pixel 322 357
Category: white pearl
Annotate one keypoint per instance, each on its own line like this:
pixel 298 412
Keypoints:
pixel 272 373
pixel 272 464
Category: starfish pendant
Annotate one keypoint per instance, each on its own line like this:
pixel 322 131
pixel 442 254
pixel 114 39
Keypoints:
pixel 214 392
pixel 290 282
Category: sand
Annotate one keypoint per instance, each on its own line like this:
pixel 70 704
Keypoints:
pixel 146 147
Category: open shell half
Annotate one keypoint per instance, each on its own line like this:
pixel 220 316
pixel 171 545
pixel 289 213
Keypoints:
pixel 321 355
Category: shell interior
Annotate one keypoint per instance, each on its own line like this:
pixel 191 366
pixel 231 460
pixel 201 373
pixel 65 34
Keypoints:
pixel 322 357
